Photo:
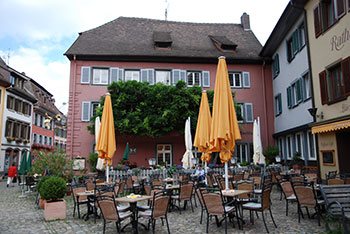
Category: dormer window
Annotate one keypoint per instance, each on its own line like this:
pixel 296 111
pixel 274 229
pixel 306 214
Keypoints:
pixel 162 40
pixel 223 43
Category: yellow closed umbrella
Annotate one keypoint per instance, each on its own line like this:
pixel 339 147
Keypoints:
pixel 201 139
pixel 224 125
pixel 106 144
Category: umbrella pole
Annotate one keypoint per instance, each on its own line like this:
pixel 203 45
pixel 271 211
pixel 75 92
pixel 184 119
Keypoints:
pixel 107 173
pixel 226 176
pixel 206 172
pixel 22 188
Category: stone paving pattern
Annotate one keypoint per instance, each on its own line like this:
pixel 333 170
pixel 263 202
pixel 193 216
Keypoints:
pixel 21 215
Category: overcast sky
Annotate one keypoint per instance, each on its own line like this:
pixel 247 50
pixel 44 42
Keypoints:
pixel 34 34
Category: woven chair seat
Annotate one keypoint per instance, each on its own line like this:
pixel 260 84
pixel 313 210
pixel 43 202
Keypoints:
pixel 143 208
pixel 145 214
pixel 125 215
pixel 257 191
pixel 292 198
pixel 175 196
pixel 123 208
pixel 252 205
pixel 229 209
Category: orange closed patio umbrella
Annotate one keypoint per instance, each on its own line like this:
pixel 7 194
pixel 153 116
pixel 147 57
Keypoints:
pixel 201 139
pixel 224 125
pixel 106 145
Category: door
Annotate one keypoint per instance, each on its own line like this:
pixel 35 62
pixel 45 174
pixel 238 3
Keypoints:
pixel 343 151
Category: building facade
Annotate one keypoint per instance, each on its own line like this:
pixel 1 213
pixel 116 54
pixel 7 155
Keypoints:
pixel 17 109
pixel 162 51
pixel 329 42
pixel 292 87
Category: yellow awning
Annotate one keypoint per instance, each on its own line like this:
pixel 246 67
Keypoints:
pixel 331 127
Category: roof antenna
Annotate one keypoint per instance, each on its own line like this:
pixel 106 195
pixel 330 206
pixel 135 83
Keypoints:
pixel 166 9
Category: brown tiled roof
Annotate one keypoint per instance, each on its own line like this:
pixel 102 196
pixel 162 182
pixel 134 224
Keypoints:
pixel 133 37
pixel 4 74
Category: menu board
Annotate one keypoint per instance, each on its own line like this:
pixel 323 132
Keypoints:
pixel 328 157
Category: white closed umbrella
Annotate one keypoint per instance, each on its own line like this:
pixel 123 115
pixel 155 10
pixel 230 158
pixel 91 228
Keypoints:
pixel 258 157
pixel 187 157
pixel 99 165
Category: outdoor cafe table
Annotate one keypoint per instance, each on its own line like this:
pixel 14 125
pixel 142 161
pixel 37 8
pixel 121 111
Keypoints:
pixel 133 207
pixel 170 180
pixel 88 194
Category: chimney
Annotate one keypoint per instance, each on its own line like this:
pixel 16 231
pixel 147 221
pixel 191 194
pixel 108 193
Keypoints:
pixel 245 21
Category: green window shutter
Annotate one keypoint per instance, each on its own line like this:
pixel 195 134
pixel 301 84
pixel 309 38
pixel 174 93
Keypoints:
pixel 289 97
pixel 279 103
pixel 299 86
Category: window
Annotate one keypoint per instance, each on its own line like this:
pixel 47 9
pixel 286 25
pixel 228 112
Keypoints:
pixel 335 82
pixel 18 105
pixel 295 93
pixel 276 65
pixel 235 79
pixel 193 78
pixel 244 152
pixel 326 14
pixel 244 112
pixel 147 75
pixel 293 45
pixel 45 140
pixel 163 77
pixel 239 112
pixel 280 147
pixel 10 103
pixel 178 75
pixel 94 106
pixel 9 128
pixel 100 76
pixel 12 80
pixel 301 32
pixel 34 138
pixel 17 129
pixel 289 147
pixel 132 75
pixel 278 104
pixel 290 54
pixel 299 144
pixel 164 154
pixel 40 139
pixel 306 86
pixel 311 145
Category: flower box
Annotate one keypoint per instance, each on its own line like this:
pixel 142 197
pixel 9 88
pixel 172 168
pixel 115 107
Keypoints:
pixel 55 210
pixel 19 140
pixel 9 139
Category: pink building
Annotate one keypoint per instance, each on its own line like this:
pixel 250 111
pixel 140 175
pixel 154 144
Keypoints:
pixel 163 51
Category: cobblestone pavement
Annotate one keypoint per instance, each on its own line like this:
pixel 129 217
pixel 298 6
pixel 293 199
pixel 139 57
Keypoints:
pixel 21 215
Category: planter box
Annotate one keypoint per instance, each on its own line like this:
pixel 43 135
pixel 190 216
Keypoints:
pixel 55 210
pixel 41 203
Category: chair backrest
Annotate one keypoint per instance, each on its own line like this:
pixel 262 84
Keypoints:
pixel 129 183
pixel 213 203
pixel 134 179
pixel 160 206
pixel 186 191
pixel 238 177
pixel 257 181
pixel 209 181
pixel 78 189
pixel 199 192
pixel 334 181
pixel 287 188
pixel 245 185
pixel 157 183
pixel 90 186
pixel 265 199
pixel 304 193
pixel 297 178
pixel 147 188
pixel 121 187
pixel 108 207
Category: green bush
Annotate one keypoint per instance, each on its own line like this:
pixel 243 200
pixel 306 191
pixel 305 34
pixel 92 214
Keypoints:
pixel 93 157
pixel 53 188
pixel 56 162
pixel 270 154
pixel 41 181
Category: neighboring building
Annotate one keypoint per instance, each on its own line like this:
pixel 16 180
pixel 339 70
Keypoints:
pixel 164 51
pixel 60 132
pixel 329 43
pixel 292 90
pixel 16 113
pixel 44 116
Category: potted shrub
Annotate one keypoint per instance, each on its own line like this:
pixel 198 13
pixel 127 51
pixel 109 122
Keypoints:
pixel 297 162
pixel 41 201
pixel 270 154
pixel 53 190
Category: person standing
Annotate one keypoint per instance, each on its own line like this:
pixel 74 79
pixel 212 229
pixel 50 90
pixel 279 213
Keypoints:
pixel 11 174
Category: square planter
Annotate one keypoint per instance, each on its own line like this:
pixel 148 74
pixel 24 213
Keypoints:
pixel 55 210
pixel 41 203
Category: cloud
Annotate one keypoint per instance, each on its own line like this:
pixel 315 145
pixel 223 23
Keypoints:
pixel 53 76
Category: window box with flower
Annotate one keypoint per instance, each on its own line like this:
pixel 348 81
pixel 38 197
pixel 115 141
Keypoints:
pixel 9 139
pixel 19 140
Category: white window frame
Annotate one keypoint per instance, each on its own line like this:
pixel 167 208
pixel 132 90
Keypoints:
pixel 100 76
pixel 241 105
pixel 280 147
pixel 289 144
pixel 191 76
pixel 132 75
pixel 234 80
pixel 307 85
pixel 239 148
pixel 309 133
pixel 301 144
pixel 158 72
pixel 164 152
pixel 94 105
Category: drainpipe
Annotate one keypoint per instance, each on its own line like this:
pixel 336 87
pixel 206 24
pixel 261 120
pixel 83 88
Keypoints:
pixel 265 104
pixel 73 104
